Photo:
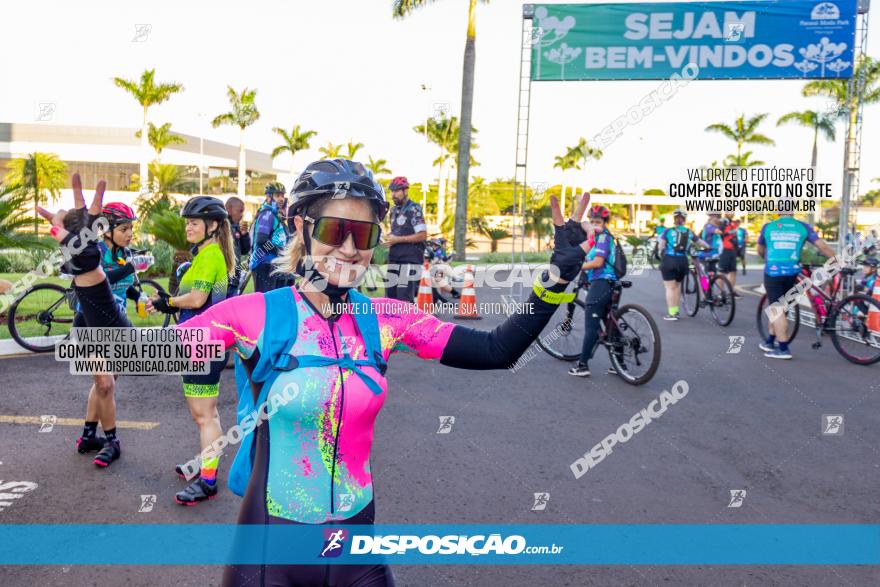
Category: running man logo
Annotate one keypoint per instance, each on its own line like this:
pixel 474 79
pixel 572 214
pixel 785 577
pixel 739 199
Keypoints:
pixel 45 111
pixel 441 110
pixel 13 490
pixel 446 423
pixel 147 503
pixel 832 424
pixel 346 500
pixel 533 36
pixel 141 32
pixel 541 500
pixel 734 32
pixel 737 496
pixel 735 345
pixel 47 423
pixel 333 542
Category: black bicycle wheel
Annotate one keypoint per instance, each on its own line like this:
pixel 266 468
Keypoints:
pixel 654 258
pixel 794 319
pixel 690 292
pixel 40 316
pixel 855 329
pixel 563 337
pixel 634 348
pixel 723 304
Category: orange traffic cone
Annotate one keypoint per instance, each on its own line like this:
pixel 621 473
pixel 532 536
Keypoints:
pixel 873 313
pixel 425 299
pixel 467 305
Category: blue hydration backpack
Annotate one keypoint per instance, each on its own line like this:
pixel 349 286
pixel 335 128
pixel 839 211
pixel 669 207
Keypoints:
pixel 279 336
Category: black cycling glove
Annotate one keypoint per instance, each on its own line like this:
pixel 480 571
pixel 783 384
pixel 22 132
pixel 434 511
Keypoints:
pixel 161 304
pixel 82 254
pixel 567 257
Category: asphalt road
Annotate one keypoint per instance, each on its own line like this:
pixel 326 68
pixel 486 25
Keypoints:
pixel 747 423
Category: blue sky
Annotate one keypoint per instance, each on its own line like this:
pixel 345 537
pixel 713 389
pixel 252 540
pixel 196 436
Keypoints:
pixel 348 70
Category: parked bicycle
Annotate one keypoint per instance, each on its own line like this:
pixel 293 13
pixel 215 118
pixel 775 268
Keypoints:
pixel 628 332
pixel 43 313
pixel 703 286
pixel 844 316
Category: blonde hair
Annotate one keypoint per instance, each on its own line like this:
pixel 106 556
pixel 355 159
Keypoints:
pixel 290 257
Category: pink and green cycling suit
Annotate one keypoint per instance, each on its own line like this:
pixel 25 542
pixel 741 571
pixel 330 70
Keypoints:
pixel 320 441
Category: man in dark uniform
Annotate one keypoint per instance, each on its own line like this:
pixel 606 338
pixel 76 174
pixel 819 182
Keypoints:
pixel 241 241
pixel 406 243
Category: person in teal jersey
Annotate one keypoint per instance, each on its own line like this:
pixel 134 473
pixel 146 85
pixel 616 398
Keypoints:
pixel 780 243
pixel 675 243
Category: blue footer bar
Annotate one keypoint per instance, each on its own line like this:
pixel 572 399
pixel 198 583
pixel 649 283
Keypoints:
pixel 468 544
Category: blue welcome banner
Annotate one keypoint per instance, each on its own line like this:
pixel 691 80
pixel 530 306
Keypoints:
pixel 784 39
pixel 462 544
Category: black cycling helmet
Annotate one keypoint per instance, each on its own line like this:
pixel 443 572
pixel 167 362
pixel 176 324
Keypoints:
pixel 205 207
pixel 338 178
pixel 870 262
pixel 276 187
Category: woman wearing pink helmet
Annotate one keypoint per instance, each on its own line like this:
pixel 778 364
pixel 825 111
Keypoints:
pixel 116 261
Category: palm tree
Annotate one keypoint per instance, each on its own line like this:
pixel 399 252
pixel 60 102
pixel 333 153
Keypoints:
pixel 402 8
pixel 35 175
pixel 440 132
pixel 244 113
pixel 564 162
pixel 170 227
pixel 742 160
pixel 837 89
pixel 377 166
pixel 161 137
pixel 14 219
pixel 353 148
pixel 293 141
pixel 743 132
pixel 581 153
pixel 493 234
pixel 148 93
pixel 330 151
pixel 165 179
pixel 814 120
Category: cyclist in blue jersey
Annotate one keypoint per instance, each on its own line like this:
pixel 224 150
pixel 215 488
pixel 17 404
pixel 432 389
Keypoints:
pixel 599 268
pixel 711 234
pixel 780 243
pixel 675 243
pixel 269 237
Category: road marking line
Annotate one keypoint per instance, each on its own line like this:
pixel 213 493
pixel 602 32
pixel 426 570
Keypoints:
pixel 75 422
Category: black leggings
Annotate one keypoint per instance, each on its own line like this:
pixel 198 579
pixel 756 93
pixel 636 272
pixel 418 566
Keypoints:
pixel 253 511
pixel 598 300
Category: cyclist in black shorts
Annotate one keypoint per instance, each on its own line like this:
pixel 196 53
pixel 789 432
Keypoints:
pixel 729 250
pixel 675 243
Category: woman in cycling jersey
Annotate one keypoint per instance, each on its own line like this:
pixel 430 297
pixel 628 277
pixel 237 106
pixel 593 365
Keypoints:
pixel 313 456
pixel 599 270
pixel 204 284
pixel 675 245
pixel 119 267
